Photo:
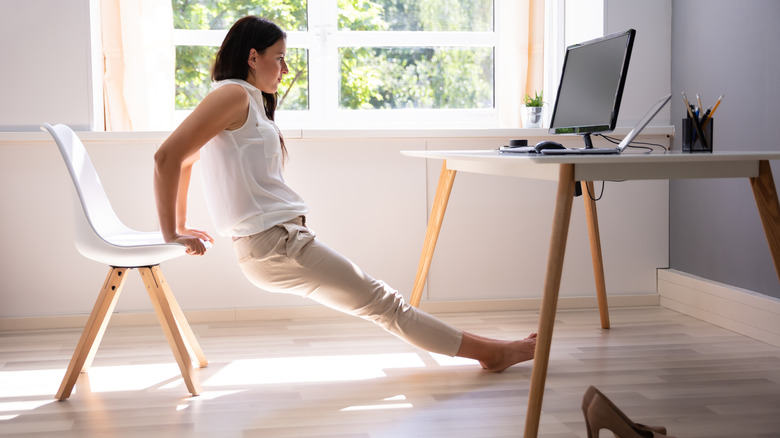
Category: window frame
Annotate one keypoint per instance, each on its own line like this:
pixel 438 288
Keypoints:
pixel 322 40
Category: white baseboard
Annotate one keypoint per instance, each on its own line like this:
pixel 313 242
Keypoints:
pixel 739 310
pixel 222 315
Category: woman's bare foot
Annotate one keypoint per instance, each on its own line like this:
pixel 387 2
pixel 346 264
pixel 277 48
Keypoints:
pixel 512 353
pixel 495 355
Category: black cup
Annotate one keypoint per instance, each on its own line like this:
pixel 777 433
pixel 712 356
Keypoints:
pixel 691 141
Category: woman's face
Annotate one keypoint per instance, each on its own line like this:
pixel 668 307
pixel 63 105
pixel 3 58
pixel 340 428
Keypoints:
pixel 266 69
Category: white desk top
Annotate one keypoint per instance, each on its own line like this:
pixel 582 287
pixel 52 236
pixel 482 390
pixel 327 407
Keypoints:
pixel 627 166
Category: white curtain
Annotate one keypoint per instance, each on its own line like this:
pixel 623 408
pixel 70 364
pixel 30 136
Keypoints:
pixel 139 63
pixel 520 66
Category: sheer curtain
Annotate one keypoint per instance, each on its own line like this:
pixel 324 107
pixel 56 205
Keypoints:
pixel 139 63
pixel 520 65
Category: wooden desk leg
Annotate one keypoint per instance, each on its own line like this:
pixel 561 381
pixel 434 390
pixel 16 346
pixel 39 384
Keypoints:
pixel 595 253
pixel 443 190
pixel 93 330
pixel 769 209
pixel 552 284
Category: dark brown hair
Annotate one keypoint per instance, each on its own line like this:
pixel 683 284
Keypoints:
pixel 248 33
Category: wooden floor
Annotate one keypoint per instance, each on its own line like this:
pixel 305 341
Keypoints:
pixel 344 378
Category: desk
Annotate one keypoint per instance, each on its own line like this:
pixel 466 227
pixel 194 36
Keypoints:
pixel 566 170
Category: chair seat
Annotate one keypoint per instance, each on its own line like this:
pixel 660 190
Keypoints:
pixel 133 249
pixel 138 238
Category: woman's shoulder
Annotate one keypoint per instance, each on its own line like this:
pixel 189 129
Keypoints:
pixel 227 95
pixel 229 88
pixel 225 106
pixel 233 84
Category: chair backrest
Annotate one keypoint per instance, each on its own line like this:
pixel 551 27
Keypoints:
pixel 96 214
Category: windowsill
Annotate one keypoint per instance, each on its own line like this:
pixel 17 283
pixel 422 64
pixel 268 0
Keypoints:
pixel 450 133
pixel 157 136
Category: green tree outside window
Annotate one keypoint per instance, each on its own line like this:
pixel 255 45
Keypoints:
pixel 370 77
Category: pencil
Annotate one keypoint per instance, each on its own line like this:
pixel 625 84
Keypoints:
pixel 688 106
pixel 709 116
pixel 696 125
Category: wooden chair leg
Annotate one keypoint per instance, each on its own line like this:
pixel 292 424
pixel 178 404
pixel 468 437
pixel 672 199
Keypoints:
pixel 152 278
pixel 93 331
pixel 181 320
pixel 595 253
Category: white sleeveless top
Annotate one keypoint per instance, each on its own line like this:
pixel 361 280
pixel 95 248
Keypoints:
pixel 242 174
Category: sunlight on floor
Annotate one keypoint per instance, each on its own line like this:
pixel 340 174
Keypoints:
pixel 204 396
pixel 448 361
pixel 20 406
pixel 131 377
pixel 24 383
pixel 381 406
pixel 378 407
pixel 28 383
pixel 23 405
pixel 176 383
pixel 311 369
pixel 243 372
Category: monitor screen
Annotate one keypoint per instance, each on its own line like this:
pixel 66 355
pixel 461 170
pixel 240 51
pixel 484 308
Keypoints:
pixel 591 85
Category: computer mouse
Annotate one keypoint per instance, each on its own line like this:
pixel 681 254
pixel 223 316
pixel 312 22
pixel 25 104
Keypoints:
pixel 548 144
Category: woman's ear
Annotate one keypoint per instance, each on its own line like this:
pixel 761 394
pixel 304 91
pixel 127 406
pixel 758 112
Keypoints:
pixel 252 59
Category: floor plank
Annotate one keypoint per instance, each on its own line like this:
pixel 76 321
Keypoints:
pixel 339 377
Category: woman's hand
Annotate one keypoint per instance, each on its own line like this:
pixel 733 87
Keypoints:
pixel 193 240
pixel 202 235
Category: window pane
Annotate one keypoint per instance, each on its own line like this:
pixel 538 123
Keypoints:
pixel 294 90
pixel 221 14
pixel 193 77
pixel 193 74
pixel 416 15
pixel 420 77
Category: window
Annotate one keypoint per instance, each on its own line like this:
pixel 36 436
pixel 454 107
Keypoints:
pixel 201 25
pixel 371 62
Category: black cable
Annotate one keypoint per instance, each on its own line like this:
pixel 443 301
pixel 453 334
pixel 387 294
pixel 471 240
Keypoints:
pixel 635 144
pixel 590 195
pixel 612 140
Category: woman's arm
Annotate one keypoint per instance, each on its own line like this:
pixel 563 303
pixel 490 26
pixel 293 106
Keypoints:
pixel 181 201
pixel 224 108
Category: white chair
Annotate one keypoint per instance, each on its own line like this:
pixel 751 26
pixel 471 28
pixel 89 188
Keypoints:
pixel 101 236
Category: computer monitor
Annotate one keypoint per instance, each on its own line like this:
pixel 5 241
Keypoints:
pixel 591 86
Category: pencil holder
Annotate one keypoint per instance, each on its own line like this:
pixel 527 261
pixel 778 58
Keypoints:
pixel 691 141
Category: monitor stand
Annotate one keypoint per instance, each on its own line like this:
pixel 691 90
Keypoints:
pixel 587 150
pixel 588 142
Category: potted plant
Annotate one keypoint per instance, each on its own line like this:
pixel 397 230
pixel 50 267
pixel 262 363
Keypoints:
pixel 533 110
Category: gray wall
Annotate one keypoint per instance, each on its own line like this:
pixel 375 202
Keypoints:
pixel 722 46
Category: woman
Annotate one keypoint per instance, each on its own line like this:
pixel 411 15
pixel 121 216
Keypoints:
pixel 232 131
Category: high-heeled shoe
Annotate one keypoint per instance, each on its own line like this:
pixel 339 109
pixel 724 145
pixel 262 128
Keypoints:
pixel 601 413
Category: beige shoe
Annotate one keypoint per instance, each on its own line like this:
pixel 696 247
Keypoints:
pixel 601 413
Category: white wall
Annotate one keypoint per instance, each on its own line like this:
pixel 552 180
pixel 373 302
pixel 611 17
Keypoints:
pixel 47 68
pixel 368 201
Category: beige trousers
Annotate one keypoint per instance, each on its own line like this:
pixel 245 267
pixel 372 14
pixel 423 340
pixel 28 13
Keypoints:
pixel 288 258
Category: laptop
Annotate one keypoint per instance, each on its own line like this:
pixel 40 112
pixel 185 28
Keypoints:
pixel 623 144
